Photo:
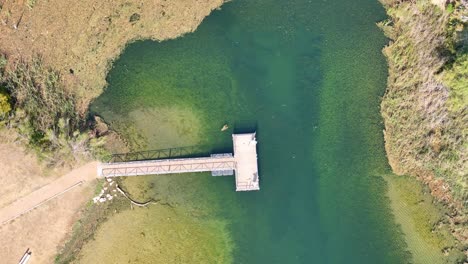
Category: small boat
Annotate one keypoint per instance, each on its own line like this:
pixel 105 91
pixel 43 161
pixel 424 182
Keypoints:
pixel 225 127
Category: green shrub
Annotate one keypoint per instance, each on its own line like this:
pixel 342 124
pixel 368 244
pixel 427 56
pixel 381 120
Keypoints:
pixel 450 8
pixel 5 106
pixel 456 78
pixel 3 61
pixel 134 17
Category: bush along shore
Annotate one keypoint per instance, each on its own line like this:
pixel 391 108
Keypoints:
pixel 426 103
pixel 35 104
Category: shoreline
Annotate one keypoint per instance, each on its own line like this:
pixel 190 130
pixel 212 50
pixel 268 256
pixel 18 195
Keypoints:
pixel 415 144
pixel 81 56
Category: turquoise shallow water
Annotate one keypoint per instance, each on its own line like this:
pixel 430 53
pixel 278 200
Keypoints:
pixel 307 76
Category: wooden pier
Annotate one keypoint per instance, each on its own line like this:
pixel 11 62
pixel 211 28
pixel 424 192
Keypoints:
pixel 243 163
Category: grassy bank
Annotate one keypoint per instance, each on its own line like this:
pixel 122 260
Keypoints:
pixel 425 106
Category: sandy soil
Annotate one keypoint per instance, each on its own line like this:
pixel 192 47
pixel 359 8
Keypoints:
pixel 80 38
pixel 46 227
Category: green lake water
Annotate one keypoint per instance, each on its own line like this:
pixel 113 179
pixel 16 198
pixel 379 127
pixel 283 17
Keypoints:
pixel 308 77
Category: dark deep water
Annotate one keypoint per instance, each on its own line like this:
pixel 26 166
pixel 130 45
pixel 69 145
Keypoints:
pixel 307 76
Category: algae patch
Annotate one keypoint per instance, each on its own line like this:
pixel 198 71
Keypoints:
pixel 420 219
pixel 159 235
pixel 167 127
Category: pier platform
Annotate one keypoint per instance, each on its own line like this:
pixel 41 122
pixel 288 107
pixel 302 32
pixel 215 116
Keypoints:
pixel 245 155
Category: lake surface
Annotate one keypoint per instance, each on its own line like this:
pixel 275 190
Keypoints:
pixel 307 76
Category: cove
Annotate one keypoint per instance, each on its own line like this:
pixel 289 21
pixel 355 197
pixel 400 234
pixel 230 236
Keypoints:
pixel 307 76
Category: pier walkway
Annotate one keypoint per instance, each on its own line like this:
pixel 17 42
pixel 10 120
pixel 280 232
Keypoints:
pixel 243 163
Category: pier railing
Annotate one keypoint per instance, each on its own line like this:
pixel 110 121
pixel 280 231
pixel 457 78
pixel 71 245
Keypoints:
pixel 155 168
pixel 181 152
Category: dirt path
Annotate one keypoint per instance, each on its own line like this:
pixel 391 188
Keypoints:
pixel 50 191
pixel 24 183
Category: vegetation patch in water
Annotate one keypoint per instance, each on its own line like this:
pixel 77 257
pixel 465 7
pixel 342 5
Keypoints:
pixel 158 234
pixel 420 217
